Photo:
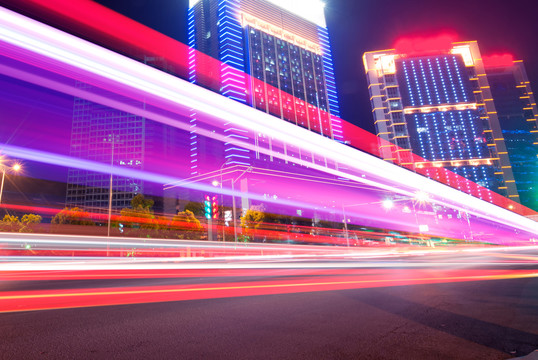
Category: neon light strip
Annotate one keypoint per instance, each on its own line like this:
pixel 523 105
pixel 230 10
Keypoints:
pixel 41 39
pixel 440 107
pixel 461 162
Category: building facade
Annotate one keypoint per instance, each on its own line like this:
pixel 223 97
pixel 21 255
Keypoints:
pixel 104 135
pixel 273 55
pixel 431 98
pixel 517 113
pixel 123 140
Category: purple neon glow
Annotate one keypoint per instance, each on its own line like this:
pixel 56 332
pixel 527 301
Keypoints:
pixel 63 58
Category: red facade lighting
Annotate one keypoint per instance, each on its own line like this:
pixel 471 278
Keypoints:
pixel 425 45
pixel 498 60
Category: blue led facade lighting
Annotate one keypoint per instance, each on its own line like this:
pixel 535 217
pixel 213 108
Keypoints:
pixel 231 51
pixel 445 123
pixel 287 62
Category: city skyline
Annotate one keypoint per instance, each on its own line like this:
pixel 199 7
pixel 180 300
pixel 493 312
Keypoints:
pixel 350 20
pixel 354 22
pixel 309 247
pixel 147 46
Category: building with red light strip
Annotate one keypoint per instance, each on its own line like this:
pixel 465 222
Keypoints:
pixel 431 97
pixel 272 55
pixel 517 113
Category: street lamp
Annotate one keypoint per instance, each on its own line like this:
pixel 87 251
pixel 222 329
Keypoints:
pixel 387 204
pixel 345 224
pixel 232 181
pixel 113 140
pixel 16 167
pixel 421 197
pixel 216 183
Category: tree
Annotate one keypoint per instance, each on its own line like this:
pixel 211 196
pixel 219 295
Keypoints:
pixel 10 223
pixel 10 218
pixel 26 224
pixel 140 217
pixel 195 207
pixel 189 225
pixel 29 221
pixel 140 202
pixel 251 221
pixel 73 216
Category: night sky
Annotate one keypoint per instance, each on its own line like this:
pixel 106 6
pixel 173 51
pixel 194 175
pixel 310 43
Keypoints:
pixel 355 26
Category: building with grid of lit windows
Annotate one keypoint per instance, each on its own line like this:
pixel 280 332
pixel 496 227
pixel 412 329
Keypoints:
pixel 517 113
pixel 431 98
pixel 273 55
pixel 104 135
pixel 114 137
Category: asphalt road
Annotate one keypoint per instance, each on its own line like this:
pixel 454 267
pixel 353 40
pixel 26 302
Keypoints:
pixel 480 305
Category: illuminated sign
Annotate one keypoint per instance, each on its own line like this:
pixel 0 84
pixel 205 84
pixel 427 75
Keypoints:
pixel 311 10
pixel 276 31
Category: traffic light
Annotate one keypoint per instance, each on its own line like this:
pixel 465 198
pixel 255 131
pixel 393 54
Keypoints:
pixel 214 208
pixel 207 207
pixel 211 207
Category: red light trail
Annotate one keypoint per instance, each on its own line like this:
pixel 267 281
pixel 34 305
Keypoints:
pixel 298 281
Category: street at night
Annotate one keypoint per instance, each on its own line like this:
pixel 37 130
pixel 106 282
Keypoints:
pixel 268 179
pixel 474 304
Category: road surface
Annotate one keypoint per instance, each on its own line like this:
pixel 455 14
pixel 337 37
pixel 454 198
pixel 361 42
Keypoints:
pixel 479 304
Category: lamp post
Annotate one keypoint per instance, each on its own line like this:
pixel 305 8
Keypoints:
pixel 112 139
pixel 16 167
pixel 345 224
pixel 214 183
pixel 387 205
pixel 421 197
pixel 233 181
pixel 249 169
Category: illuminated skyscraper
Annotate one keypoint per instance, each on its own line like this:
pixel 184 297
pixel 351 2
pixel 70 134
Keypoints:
pixel 110 136
pixel 517 113
pixel 104 135
pixel 431 97
pixel 273 55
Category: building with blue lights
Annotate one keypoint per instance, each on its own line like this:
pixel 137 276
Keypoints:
pixel 437 104
pixel 273 55
pixel 516 109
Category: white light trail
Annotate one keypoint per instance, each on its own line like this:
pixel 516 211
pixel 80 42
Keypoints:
pixel 41 39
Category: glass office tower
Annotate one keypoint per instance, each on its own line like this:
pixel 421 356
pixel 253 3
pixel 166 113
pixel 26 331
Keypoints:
pixel 517 113
pixel 121 139
pixel 433 99
pixel 272 55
